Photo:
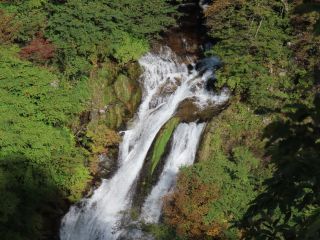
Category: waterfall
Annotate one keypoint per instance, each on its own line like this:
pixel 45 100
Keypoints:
pixel 166 83
pixel 183 152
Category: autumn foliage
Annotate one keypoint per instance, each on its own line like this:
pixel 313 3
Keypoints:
pixel 8 28
pixel 306 19
pixel 186 207
pixel 39 50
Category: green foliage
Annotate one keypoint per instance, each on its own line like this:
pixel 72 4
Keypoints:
pixel 258 190
pixel 161 232
pixel 89 31
pixel 142 18
pixel 97 44
pixel 230 171
pixel 22 213
pixel 29 16
pixel 39 163
pixel 101 137
pixel 127 48
pixel 31 91
pixel 252 36
pixel 289 208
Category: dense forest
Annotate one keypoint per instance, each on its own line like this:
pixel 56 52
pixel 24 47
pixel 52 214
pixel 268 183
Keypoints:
pixel 55 56
pixel 69 81
pixel 257 174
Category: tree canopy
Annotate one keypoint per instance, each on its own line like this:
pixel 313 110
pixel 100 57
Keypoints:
pixel 62 64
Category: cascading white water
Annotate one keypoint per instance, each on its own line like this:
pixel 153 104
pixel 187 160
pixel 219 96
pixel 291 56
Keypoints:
pixel 166 83
pixel 183 151
pixel 204 4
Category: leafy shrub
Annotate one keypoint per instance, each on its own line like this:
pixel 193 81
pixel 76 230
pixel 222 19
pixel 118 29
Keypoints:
pixel 38 50
pixel 127 48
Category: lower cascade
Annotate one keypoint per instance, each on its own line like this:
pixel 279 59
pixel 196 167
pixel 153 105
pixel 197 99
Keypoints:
pixel 166 83
pixel 183 153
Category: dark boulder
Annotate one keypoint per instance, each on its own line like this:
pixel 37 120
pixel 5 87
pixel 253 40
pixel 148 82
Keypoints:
pixel 190 68
pixel 207 46
pixel 210 84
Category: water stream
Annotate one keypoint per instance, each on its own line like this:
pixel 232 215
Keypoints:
pixel 166 83
pixel 183 152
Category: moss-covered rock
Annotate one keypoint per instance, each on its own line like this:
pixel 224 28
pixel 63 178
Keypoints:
pixel 114 115
pixel 115 97
pixel 161 142
pixel 128 92
pixel 109 95
pixel 115 92
pixel 123 88
pixel 155 161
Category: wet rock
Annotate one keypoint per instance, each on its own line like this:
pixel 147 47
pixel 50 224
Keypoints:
pixel 105 165
pixel 88 194
pixel 183 44
pixel 102 111
pixel 105 162
pixel 208 64
pixel 189 111
pixel 169 88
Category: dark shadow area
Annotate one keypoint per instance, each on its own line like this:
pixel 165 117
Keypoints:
pixel 289 207
pixel 310 6
pixel 306 28
pixel 307 6
pixel 189 36
pixel 31 205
